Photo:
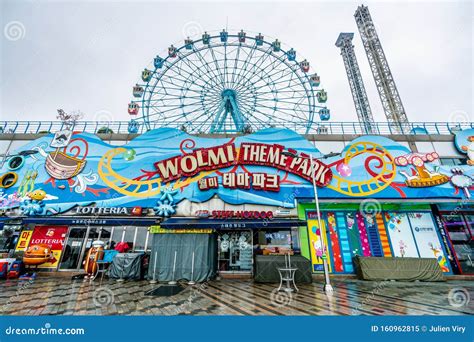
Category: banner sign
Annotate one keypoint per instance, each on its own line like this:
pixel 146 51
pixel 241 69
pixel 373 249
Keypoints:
pixel 222 156
pixel 23 240
pixel 239 214
pixel 159 230
pixel 53 236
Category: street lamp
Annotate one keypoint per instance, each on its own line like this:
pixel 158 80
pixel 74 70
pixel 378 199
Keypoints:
pixel 327 282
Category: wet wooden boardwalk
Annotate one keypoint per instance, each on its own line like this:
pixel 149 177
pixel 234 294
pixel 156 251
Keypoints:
pixel 52 295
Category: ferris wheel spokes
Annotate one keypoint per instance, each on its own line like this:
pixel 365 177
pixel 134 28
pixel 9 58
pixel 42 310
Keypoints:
pixel 228 83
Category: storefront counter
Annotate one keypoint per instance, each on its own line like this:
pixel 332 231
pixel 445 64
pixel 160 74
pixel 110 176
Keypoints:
pixel 266 268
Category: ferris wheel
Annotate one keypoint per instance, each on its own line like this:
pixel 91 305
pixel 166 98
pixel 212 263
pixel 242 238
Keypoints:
pixel 228 83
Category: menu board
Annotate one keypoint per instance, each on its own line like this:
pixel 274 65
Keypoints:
pixel 246 256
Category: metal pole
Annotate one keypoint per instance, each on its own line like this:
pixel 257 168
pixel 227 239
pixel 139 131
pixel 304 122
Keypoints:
pixel 327 282
pixel 172 281
pixel 153 281
pixel 192 282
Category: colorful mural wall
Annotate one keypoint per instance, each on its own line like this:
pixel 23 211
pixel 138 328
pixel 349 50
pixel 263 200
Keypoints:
pixel 160 168
pixel 384 234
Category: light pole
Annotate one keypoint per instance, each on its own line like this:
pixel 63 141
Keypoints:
pixel 327 281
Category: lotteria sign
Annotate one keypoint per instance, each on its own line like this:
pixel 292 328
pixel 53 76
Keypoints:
pixel 134 211
pixel 222 156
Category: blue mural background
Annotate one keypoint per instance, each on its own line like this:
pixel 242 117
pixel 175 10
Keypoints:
pixel 373 173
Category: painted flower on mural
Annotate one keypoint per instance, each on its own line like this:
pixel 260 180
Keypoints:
pixel 167 194
pixel 165 208
pixel 32 207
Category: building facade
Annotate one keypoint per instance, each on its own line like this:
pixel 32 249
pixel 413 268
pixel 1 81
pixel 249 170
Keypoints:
pixel 242 195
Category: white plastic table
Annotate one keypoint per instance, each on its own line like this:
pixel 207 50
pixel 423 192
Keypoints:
pixel 287 275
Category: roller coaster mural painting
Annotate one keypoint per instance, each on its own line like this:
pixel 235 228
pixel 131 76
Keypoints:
pixel 165 166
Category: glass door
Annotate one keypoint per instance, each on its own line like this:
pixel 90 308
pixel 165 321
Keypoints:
pixel 92 235
pixel 235 251
pixel 77 244
pixel 73 249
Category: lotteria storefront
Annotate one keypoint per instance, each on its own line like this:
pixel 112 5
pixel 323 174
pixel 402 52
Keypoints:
pixel 174 195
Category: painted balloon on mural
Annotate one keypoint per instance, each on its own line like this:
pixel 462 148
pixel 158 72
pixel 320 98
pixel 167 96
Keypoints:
pixel 129 154
pixel 344 170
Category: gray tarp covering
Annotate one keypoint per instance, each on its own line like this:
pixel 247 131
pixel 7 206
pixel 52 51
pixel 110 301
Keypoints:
pixel 408 269
pixel 126 266
pixel 266 268
pixel 164 247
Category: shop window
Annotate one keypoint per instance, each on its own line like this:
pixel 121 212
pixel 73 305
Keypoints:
pixel 7 240
pixel 470 224
pixel 452 161
pixel 459 229
pixel 117 234
pixel 136 237
pixel 295 239
pixel 141 239
pixel 456 227
pixel 273 242
pixel 105 235
pixel 129 236
pixel 278 238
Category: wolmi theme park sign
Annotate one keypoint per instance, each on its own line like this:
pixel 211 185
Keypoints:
pixel 219 157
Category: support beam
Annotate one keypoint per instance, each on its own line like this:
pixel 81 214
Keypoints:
pixel 359 95
pixel 388 92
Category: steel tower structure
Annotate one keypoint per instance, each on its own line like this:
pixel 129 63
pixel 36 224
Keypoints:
pixel 391 102
pixel 359 95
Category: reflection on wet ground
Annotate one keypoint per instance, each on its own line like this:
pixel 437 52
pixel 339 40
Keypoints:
pixel 59 295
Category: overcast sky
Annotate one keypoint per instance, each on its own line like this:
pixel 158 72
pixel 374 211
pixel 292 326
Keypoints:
pixel 87 55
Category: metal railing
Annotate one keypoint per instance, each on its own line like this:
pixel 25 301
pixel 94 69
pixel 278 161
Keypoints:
pixel 345 128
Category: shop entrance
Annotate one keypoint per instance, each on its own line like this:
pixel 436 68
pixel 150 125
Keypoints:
pixel 78 241
pixel 235 251
pixel 182 254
